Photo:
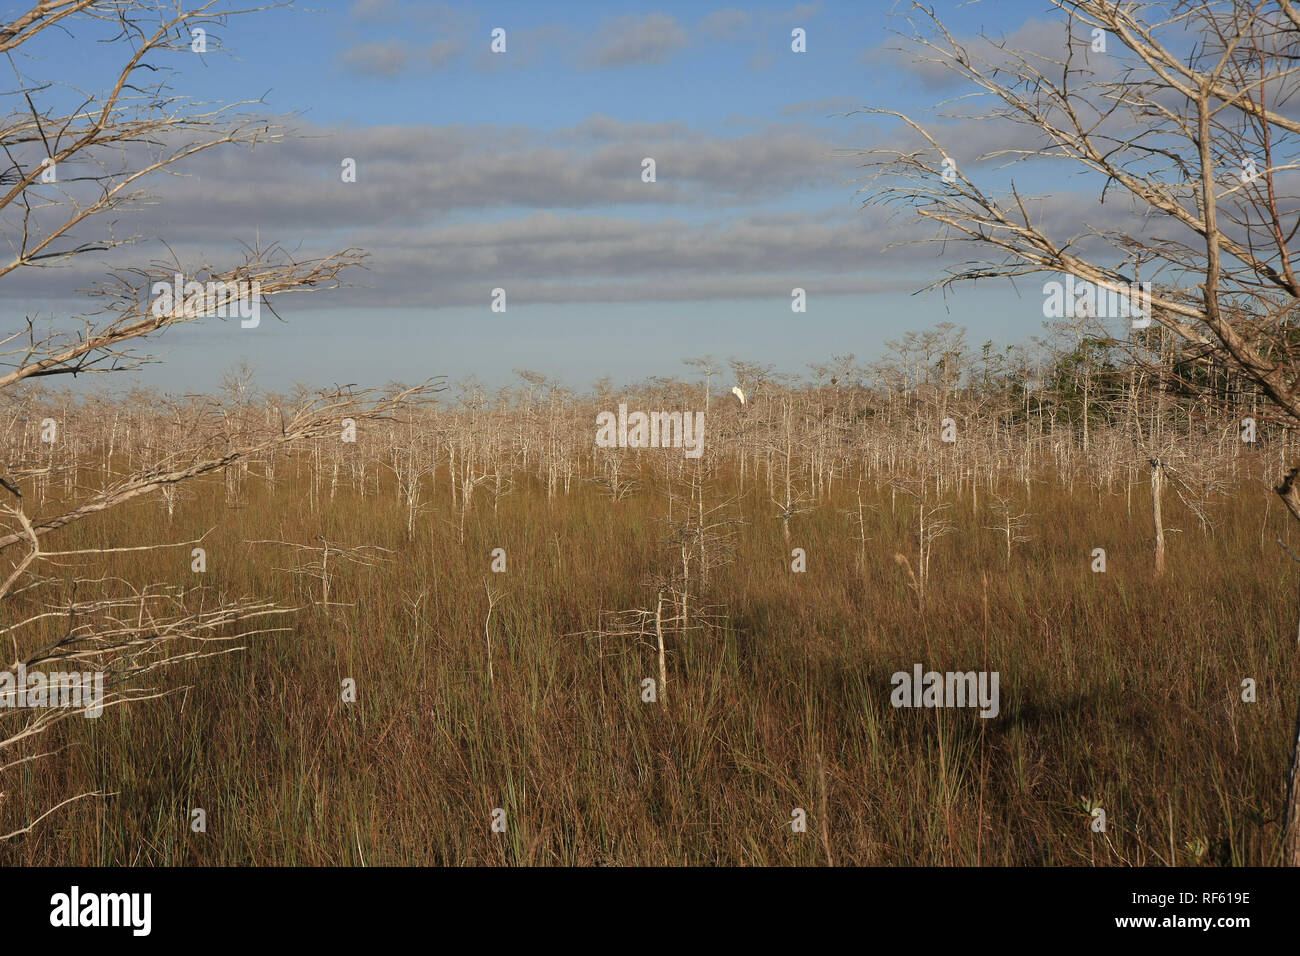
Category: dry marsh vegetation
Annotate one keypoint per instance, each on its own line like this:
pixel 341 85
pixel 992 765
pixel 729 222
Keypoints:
pixel 1120 688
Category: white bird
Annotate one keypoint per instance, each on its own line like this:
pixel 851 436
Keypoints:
pixel 735 390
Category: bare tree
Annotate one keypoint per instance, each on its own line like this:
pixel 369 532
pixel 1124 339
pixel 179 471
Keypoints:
pixel 1010 523
pixel 69 172
pixel 319 568
pixel 1179 116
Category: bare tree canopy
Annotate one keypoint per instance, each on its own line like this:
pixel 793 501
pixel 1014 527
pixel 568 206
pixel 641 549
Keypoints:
pixel 69 165
pixel 1182 118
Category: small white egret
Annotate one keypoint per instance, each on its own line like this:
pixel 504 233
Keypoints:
pixel 735 390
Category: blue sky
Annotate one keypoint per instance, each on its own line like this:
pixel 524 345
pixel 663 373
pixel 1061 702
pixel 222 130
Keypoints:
pixel 522 170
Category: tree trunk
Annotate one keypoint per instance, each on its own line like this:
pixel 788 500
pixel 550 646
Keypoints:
pixel 1290 496
pixel 659 636
pixel 1157 489
pixel 1291 816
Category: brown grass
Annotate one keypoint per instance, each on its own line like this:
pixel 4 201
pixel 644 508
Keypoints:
pixel 1119 688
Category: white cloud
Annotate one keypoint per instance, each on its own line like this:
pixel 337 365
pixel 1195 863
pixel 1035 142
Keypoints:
pixel 634 40
pixel 387 58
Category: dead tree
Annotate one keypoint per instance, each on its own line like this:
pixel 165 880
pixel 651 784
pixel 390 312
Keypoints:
pixel 117 140
pixel 325 561
pixel 1010 523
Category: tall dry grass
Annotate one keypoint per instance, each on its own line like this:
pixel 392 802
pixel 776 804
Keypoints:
pixel 1120 688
